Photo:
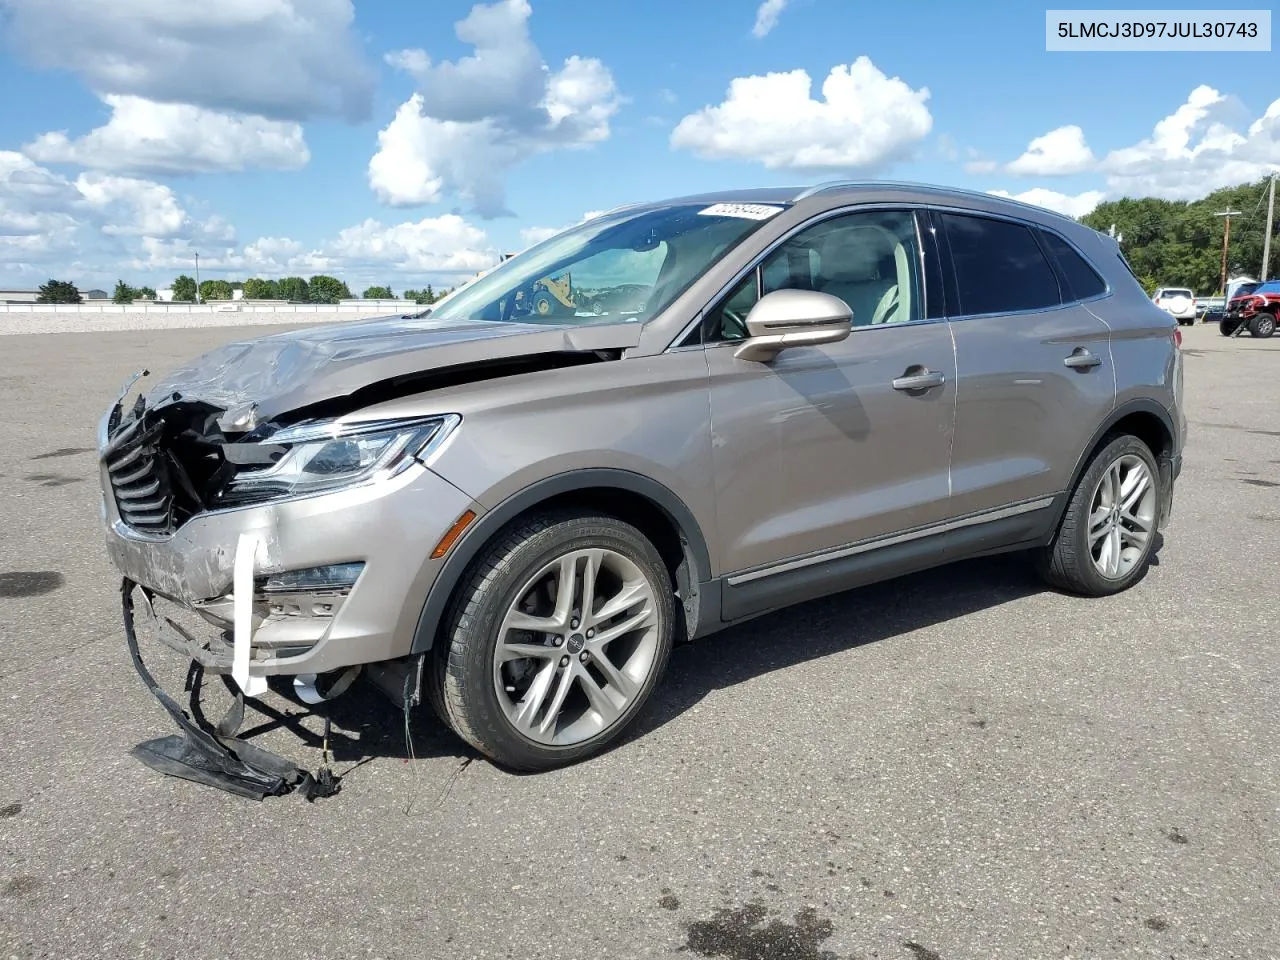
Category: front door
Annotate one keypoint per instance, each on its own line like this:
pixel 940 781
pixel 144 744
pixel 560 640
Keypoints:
pixel 827 446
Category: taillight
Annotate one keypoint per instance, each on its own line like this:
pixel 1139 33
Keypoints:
pixel 1177 337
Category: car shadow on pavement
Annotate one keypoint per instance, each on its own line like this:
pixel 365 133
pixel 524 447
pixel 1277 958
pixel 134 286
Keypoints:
pixel 834 624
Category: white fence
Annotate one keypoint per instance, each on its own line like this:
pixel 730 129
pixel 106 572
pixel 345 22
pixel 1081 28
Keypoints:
pixel 212 309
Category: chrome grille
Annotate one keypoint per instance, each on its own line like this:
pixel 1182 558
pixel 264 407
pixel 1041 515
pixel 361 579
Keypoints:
pixel 139 478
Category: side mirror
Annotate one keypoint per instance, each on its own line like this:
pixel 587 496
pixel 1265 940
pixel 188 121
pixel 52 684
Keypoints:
pixel 793 318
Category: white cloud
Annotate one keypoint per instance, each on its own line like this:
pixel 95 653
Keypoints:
pixel 473 119
pixel 1196 150
pixel 767 16
pixel 863 122
pixel 286 59
pixel 981 166
pixel 445 244
pixel 1072 206
pixel 47 219
pixel 145 136
pixel 531 235
pixel 1059 151
pixel 132 207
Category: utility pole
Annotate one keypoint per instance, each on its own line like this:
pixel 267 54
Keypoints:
pixel 1226 238
pixel 198 274
pixel 1266 237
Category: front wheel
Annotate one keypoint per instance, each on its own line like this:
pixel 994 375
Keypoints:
pixel 1228 327
pixel 1107 533
pixel 1263 325
pixel 556 640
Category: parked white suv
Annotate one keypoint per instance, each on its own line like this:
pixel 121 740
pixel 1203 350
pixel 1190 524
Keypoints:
pixel 1178 302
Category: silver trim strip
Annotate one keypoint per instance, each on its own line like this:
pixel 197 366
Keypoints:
pixel 865 546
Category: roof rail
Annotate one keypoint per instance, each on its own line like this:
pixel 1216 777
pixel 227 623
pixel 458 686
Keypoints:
pixel 829 185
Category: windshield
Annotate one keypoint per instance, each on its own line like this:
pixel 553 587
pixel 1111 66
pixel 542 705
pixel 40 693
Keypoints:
pixel 1246 288
pixel 626 265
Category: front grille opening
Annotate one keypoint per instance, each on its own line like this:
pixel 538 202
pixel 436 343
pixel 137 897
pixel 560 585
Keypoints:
pixel 159 462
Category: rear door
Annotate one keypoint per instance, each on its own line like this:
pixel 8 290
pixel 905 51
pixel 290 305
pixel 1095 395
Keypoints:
pixel 1033 364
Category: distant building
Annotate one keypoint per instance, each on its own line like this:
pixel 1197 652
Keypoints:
pixel 95 295
pixel 19 296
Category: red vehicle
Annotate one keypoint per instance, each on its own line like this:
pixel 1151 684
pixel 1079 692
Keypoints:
pixel 1255 308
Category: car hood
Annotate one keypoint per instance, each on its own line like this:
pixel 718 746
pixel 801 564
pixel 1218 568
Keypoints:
pixel 287 371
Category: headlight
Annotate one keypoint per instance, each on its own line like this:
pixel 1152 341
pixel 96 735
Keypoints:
pixel 322 456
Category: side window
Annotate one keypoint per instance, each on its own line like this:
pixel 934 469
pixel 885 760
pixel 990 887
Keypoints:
pixel 999 267
pixel 1083 281
pixel 869 260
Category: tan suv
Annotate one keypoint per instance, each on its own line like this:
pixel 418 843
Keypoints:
pixel 742 401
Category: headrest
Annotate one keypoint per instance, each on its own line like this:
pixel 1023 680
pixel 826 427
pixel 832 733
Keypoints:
pixel 854 254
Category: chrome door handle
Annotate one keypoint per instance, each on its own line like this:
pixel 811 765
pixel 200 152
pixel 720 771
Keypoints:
pixel 920 381
pixel 1082 359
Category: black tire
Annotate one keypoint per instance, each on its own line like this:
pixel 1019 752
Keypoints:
pixel 1185 323
pixel 544 305
pixel 1227 327
pixel 1262 326
pixel 464 693
pixel 1067 562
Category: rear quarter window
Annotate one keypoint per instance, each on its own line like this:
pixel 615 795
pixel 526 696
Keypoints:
pixel 1083 282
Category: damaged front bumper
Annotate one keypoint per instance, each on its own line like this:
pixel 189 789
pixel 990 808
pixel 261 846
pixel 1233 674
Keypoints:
pixel 251 572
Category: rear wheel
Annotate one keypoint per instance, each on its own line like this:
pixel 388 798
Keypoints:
pixel 556 640
pixel 1263 325
pixel 1186 323
pixel 1104 541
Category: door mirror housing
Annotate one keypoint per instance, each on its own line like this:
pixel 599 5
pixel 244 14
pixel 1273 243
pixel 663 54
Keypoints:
pixel 793 318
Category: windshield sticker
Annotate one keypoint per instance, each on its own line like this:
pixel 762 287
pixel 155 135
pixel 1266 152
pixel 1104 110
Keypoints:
pixel 744 211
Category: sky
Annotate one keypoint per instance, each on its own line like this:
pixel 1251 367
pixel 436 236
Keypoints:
pixel 408 142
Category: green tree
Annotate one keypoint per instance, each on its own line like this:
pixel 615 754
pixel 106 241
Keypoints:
pixel 215 290
pixel 294 289
pixel 257 289
pixel 1178 243
pixel 59 291
pixel 378 293
pixel 144 293
pixel 184 289
pixel 328 289
pixel 123 293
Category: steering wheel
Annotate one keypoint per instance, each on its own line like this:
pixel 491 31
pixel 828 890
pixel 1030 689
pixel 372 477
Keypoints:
pixel 733 325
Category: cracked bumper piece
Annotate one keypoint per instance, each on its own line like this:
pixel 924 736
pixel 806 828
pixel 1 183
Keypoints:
pixel 212 755
pixel 305 586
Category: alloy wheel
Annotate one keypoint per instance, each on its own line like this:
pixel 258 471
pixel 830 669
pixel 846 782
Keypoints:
pixel 1122 517
pixel 576 647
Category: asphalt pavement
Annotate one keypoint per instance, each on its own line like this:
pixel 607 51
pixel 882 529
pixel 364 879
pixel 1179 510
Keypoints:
pixel 957 766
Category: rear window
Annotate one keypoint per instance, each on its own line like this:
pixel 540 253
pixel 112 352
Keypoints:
pixel 999 267
pixel 1083 281
pixel 1177 292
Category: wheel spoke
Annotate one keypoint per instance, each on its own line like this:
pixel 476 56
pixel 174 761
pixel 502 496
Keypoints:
pixel 1137 520
pixel 537 692
pixel 599 698
pixel 1113 553
pixel 1135 485
pixel 1137 538
pixel 618 680
pixel 566 587
pixel 590 572
pixel 621 602
pixel 519 620
pixel 562 690
pixel 522 651
pixel 622 627
pixel 1098 524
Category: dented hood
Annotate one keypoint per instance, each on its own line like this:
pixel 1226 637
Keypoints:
pixel 287 371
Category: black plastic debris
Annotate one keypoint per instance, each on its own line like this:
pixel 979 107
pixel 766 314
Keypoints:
pixel 212 754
